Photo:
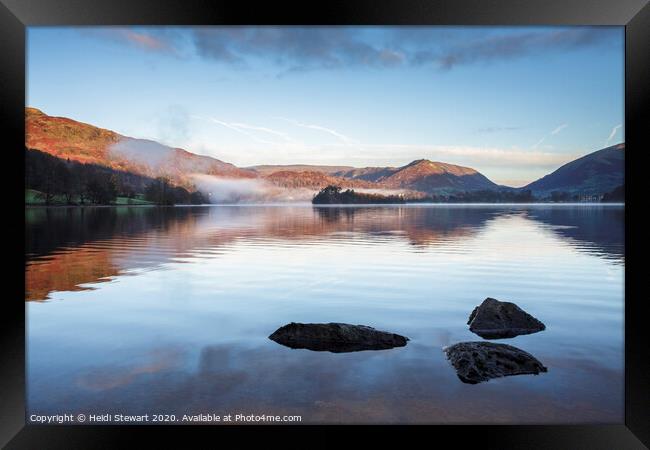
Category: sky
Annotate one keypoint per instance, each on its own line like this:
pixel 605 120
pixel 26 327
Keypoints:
pixel 514 103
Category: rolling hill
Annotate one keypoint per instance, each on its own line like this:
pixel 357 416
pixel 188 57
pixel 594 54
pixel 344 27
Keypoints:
pixel 80 142
pixel 594 174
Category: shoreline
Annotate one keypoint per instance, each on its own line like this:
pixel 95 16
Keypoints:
pixel 331 205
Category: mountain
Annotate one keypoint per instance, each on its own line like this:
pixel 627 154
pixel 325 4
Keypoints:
pixel 421 175
pixel 594 174
pixel 428 176
pixel 76 141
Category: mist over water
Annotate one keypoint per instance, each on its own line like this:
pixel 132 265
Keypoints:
pixel 134 310
pixel 247 190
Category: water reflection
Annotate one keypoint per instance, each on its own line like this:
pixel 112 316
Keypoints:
pixel 333 388
pixel 67 248
pixel 595 229
pixel 170 309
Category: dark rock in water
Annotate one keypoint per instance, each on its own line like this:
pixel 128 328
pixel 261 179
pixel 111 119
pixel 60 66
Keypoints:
pixel 336 337
pixel 480 361
pixel 493 319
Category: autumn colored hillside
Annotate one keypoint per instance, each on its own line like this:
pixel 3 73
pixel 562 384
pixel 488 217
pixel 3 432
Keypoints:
pixel 76 141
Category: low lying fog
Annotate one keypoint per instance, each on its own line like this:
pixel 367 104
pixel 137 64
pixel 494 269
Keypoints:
pixel 232 190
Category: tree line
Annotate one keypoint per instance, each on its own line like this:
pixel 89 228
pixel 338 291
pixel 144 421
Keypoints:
pixel 73 183
pixel 482 196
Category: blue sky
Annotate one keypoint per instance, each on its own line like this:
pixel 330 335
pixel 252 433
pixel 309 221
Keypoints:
pixel 514 103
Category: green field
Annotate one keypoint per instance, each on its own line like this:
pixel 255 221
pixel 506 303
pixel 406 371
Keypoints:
pixel 33 197
pixel 137 200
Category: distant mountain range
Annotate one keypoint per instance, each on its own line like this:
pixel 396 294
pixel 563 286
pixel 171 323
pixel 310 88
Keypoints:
pixel 594 174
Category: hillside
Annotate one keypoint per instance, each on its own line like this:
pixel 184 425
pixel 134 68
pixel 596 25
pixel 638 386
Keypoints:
pixel 367 173
pixel 76 141
pixel 268 169
pixel 594 174
pixel 314 180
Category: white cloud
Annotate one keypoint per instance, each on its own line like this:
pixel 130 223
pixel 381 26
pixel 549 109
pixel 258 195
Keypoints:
pixel 242 127
pixel 613 133
pixel 555 131
pixel 245 126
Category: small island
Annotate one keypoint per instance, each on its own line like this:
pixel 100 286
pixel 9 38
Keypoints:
pixel 332 195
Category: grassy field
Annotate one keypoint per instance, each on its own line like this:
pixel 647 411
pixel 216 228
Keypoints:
pixel 33 197
pixel 138 200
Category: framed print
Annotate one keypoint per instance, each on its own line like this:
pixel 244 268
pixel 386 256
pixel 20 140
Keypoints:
pixel 395 218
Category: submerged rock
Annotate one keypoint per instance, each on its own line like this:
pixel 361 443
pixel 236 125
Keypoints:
pixel 494 319
pixel 481 361
pixel 336 337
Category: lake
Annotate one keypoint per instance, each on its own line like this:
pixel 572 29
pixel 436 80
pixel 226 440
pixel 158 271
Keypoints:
pixel 168 310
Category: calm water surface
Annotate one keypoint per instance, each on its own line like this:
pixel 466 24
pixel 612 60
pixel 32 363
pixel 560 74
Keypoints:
pixel 168 310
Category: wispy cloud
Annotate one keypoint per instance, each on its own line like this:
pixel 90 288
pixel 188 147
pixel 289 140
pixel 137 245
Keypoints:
pixel 497 129
pixel 246 126
pixel 559 129
pixel 144 40
pixel 242 129
pixel 343 138
pixel 553 132
pixel 538 143
pixel 613 133
pixel 151 39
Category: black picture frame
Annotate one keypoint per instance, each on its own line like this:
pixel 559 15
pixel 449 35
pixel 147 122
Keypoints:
pixel 16 15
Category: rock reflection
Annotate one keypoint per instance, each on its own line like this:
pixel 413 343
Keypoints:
pixel 476 362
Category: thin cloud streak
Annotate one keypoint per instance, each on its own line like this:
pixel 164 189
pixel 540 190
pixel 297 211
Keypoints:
pixel 235 127
pixel 559 129
pixel 280 134
pixel 343 138
pixel 613 133
pixel 553 132
pixel 538 143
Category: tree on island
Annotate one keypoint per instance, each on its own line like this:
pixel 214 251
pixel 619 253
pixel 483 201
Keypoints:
pixel 332 195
